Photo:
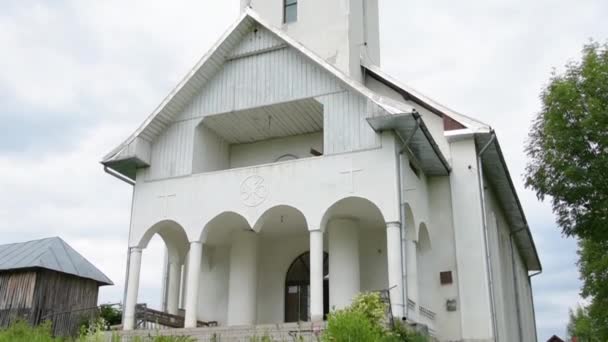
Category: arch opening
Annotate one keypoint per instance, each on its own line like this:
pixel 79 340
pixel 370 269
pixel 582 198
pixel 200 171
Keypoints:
pixel 165 243
pixel 357 245
pixel 297 288
pixel 411 232
pixel 426 268
pixel 359 209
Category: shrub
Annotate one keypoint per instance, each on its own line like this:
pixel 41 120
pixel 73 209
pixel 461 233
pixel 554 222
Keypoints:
pixel 364 321
pixel 371 306
pixel 110 314
pixel 350 326
pixel 401 333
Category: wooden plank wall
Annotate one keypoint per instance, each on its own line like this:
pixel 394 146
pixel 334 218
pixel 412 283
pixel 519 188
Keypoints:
pixel 39 295
pixel 16 292
pixel 64 299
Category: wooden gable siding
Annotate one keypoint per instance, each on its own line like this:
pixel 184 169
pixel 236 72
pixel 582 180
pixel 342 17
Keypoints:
pixel 258 39
pixel 260 72
pixel 345 125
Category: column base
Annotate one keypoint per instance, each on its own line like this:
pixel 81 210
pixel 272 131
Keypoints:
pixel 316 318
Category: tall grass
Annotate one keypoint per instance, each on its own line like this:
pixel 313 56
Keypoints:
pixel 22 332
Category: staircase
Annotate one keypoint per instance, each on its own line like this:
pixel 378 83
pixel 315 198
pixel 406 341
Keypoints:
pixel 285 332
pixel 147 318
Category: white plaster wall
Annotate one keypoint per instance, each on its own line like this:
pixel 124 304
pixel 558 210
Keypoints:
pixel 344 269
pixel 441 231
pixel 213 288
pixel 472 274
pixel 311 185
pixel 415 193
pixel 268 151
pixel 513 293
pixel 340 22
pixel 502 270
pixel 524 290
pixel 373 259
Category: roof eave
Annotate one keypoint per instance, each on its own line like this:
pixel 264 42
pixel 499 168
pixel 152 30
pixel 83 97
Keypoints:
pixel 535 265
pixel 422 99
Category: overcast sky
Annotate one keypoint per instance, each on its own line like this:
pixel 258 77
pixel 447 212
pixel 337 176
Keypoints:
pixel 77 77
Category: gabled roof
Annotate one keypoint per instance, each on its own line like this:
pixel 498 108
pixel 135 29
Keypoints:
pixel 51 254
pixel 425 101
pixel 208 66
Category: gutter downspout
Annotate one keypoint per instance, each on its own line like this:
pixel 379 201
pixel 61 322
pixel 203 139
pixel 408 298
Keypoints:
pixel 485 233
pixel 128 268
pixel 113 173
pixel 405 144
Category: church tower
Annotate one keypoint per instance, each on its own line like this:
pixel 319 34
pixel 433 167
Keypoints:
pixel 343 32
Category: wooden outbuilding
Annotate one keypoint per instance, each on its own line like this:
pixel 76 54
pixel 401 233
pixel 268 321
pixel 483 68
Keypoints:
pixel 47 280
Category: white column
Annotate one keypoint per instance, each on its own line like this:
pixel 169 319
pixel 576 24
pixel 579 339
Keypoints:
pixel 316 275
pixel 192 283
pixel 132 288
pixel 175 273
pixel 242 289
pixel 412 276
pixel 344 278
pixel 395 277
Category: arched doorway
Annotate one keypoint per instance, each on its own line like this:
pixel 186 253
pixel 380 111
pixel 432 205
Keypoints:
pixel 297 289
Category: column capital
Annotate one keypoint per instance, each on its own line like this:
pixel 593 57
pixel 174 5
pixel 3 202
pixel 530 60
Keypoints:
pixel 197 242
pixel 135 249
pixel 310 230
pixel 393 223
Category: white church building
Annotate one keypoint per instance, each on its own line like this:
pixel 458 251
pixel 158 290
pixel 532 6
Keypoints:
pixel 287 173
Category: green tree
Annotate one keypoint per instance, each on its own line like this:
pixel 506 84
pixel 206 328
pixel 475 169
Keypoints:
pixel 579 325
pixel 568 146
pixel 593 266
pixel 568 150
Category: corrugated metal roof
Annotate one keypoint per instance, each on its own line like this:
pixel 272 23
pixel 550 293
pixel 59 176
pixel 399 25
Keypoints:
pixel 51 254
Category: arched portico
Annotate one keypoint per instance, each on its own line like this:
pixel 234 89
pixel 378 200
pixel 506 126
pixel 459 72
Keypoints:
pixel 176 241
pixel 359 251
pixel 284 235
pixel 229 272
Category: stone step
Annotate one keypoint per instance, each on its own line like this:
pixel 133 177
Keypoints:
pixel 285 332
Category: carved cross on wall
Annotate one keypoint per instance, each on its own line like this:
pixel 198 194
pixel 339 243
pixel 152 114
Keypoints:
pixel 351 172
pixel 165 199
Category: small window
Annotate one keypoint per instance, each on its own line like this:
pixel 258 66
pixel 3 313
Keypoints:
pixel 290 11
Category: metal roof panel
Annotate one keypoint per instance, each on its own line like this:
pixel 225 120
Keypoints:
pixel 53 254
